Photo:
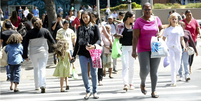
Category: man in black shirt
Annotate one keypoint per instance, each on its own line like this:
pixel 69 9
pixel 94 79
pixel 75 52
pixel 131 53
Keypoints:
pixel 4 37
pixel 56 25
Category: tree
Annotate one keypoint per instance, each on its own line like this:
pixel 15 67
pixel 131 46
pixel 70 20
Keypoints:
pixel 51 12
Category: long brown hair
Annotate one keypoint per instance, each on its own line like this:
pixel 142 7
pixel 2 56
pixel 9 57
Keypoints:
pixel 14 17
pixel 62 46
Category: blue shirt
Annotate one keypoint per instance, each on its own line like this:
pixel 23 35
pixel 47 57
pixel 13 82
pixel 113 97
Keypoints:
pixel 35 12
pixel 15 52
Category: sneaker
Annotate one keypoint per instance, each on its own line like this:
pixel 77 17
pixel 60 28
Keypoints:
pixel 115 70
pixel 42 89
pixel 173 85
pixel 180 79
pixel 187 79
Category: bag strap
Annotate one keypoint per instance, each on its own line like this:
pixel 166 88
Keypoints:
pixel 156 22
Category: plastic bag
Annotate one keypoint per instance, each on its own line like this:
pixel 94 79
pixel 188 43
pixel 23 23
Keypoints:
pixel 166 62
pixel 158 48
pixel 3 57
pixel 74 72
pixel 116 49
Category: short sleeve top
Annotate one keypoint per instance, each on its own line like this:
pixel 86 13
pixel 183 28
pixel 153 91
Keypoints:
pixel 173 35
pixel 147 30
pixel 192 27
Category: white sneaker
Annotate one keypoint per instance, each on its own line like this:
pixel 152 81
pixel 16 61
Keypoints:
pixel 180 79
pixel 173 85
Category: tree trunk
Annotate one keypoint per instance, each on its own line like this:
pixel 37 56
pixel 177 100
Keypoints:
pixel 51 12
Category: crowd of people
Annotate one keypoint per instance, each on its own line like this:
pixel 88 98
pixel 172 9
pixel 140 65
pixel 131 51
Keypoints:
pixel 27 39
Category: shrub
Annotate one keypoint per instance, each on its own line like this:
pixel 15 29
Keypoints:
pixel 159 6
pixel 193 5
pixel 176 5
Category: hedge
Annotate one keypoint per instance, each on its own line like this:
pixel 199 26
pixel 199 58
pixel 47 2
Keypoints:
pixel 122 6
pixel 193 5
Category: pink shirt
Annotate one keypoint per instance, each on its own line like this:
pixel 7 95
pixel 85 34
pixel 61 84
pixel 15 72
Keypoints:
pixel 17 23
pixel 77 22
pixel 192 27
pixel 147 30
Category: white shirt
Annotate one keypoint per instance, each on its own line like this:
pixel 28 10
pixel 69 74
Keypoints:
pixel 66 34
pixel 173 35
pixel 26 12
pixel 115 15
pixel 113 29
pixel 108 10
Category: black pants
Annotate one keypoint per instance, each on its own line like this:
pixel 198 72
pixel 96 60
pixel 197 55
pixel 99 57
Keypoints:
pixel 190 60
pixel 100 70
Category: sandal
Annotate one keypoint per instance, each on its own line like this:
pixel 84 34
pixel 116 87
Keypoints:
pixel 110 77
pixel 87 96
pixel 95 96
pixel 11 88
pixel 16 90
pixel 143 90
pixel 67 87
pixel 153 95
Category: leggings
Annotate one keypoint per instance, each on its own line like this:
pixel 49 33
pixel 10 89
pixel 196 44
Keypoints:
pixel 191 56
pixel 148 64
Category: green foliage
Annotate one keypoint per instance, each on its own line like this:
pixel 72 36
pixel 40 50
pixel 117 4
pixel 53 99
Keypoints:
pixel 176 5
pixel 159 6
pixel 193 5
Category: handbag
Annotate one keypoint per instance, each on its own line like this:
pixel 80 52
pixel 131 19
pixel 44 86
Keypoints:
pixel 116 49
pixel 190 50
pixel 3 57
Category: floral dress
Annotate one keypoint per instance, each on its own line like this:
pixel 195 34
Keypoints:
pixel 63 67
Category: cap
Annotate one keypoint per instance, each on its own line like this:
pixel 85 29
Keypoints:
pixel 110 16
pixel 8 24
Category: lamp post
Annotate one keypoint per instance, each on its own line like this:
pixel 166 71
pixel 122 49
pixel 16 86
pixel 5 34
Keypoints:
pixel 98 7
pixel 129 5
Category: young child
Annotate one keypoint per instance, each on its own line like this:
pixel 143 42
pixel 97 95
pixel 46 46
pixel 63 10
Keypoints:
pixel 62 69
pixel 174 34
pixel 107 52
pixel 14 49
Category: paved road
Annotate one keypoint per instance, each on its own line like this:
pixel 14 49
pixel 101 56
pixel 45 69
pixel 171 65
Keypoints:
pixel 111 91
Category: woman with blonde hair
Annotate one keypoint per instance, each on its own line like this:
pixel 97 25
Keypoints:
pixel 174 34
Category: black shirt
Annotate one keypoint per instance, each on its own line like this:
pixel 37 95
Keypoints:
pixel 127 38
pixel 6 34
pixel 56 29
pixel 35 33
pixel 94 39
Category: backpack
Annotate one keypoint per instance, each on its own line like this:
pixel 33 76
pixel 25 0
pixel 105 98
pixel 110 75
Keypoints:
pixel 22 30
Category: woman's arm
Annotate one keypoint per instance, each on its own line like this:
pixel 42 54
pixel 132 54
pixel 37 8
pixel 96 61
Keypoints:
pixel 183 43
pixel 192 43
pixel 136 35
pixel 76 44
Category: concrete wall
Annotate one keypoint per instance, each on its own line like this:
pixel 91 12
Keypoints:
pixel 163 13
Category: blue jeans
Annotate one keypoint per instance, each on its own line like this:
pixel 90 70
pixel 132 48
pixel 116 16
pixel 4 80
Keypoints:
pixel 84 68
pixel 15 71
pixel 8 71
pixel 184 59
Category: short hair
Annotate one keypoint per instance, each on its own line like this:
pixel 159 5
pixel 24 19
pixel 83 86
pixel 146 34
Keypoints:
pixel 108 26
pixel 14 38
pixel 66 22
pixel 29 16
pixel 120 13
pixel 59 15
pixel 37 23
pixel 187 11
pixel 170 12
pixel 173 11
pixel 146 4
